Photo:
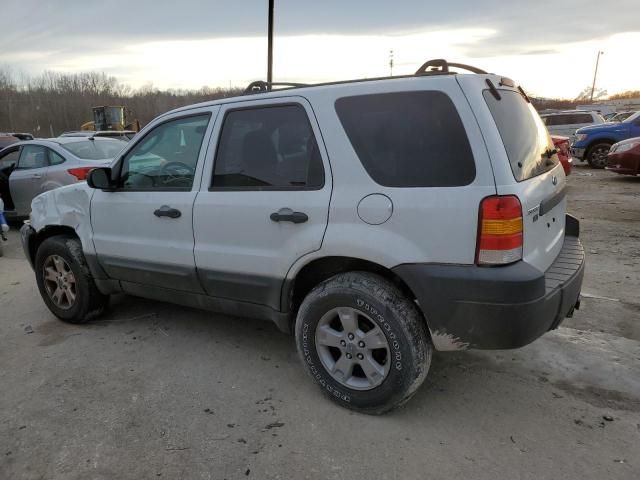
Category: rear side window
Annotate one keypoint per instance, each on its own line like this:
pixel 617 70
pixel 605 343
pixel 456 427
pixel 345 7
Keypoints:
pixel 583 118
pixel 268 148
pixel 524 135
pixel 408 139
pixel 32 156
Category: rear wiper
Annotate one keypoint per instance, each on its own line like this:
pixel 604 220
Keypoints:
pixel 548 153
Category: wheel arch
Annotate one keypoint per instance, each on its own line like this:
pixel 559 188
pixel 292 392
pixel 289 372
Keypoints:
pixel 47 232
pixel 597 141
pixel 295 289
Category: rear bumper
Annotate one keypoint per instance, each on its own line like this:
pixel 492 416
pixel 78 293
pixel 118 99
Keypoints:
pixel 497 308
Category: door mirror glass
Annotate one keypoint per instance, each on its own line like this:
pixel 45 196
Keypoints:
pixel 100 178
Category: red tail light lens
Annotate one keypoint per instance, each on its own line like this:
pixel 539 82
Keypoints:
pixel 500 231
pixel 81 172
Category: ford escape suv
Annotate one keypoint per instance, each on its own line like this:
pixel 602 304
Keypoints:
pixel 377 220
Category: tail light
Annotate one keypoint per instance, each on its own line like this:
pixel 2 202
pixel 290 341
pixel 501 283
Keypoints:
pixel 81 172
pixel 500 230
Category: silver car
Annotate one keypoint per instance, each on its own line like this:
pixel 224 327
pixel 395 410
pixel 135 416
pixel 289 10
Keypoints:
pixel 32 167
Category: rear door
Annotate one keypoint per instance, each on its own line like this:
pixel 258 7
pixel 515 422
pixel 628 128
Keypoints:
pixel 263 201
pixel 524 164
pixel 28 177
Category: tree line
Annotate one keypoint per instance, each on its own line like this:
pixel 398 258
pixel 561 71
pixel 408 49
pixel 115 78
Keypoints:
pixel 51 103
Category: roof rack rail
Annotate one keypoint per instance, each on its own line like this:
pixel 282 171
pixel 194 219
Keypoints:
pixel 440 65
pixel 260 86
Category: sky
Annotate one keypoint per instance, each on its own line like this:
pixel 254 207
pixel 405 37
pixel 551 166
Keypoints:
pixel 548 46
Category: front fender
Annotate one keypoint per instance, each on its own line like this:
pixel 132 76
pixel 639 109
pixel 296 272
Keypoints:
pixel 67 206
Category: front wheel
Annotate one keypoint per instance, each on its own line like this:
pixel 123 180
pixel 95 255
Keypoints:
pixel 363 342
pixel 597 155
pixel 65 282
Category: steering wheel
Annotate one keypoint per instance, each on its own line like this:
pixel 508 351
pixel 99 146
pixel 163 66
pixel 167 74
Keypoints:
pixel 176 172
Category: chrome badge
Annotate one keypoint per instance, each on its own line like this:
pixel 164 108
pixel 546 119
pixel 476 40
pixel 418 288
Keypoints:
pixel 554 180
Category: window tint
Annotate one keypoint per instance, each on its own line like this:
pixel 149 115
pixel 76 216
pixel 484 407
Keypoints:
pixel 582 118
pixel 166 157
pixel 408 139
pixel 55 158
pixel 268 148
pixel 526 139
pixel 32 156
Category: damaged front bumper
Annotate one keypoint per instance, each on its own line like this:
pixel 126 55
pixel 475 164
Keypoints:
pixel 497 308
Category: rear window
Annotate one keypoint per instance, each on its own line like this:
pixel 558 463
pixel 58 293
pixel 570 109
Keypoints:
pixel 408 139
pixel 95 149
pixel 525 138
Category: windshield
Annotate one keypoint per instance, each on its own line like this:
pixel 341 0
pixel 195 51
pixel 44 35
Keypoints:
pixel 632 117
pixel 525 137
pixel 95 148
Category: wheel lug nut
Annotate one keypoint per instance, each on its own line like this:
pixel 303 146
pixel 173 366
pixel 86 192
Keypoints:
pixel 349 356
pixel 360 356
pixel 351 336
pixel 343 343
pixel 361 344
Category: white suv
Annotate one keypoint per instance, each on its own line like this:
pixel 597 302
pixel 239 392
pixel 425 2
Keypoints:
pixel 377 220
pixel 566 123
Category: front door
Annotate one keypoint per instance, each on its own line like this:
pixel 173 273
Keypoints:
pixel 143 231
pixel 265 202
pixel 26 180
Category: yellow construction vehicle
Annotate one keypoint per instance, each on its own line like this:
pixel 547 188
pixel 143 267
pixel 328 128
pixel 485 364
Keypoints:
pixel 110 117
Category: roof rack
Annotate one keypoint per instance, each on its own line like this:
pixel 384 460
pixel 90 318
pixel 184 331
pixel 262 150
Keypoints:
pixel 440 65
pixel 261 86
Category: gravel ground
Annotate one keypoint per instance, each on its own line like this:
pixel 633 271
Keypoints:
pixel 153 390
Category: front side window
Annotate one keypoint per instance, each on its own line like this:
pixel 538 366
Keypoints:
pixel 166 157
pixel 268 148
pixel 9 161
pixel 409 139
pixel 32 156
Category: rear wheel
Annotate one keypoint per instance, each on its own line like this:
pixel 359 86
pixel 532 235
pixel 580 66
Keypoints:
pixel 65 282
pixel 597 155
pixel 363 342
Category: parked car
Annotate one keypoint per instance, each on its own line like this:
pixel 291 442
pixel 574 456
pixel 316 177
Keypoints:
pixel 7 139
pixel 377 220
pixel 564 152
pixel 31 167
pixel 593 143
pixel 125 135
pixel 567 122
pixel 624 157
pixel 620 116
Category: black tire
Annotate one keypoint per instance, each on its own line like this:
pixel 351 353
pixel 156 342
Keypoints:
pixel 376 299
pixel 597 154
pixel 89 302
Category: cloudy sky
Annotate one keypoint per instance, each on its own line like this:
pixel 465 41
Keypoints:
pixel 549 46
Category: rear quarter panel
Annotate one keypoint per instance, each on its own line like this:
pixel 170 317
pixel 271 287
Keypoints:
pixel 427 224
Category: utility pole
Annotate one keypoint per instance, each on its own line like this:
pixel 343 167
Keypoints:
pixel 270 47
pixel 391 63
pixel 593 86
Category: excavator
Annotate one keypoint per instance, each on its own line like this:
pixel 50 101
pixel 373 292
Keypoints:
pixel 110 117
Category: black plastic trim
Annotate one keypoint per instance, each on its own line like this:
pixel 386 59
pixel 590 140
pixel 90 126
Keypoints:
pixel 256 289
pixel 496 308
pixel 219 305
pixel 179 277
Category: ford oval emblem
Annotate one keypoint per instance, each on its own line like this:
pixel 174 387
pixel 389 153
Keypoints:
pixel 554 180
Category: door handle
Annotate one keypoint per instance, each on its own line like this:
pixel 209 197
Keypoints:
pixel 36 176
pixel 288 215
pixel 167 211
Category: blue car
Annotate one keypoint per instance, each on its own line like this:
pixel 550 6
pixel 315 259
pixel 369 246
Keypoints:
pixel 593 142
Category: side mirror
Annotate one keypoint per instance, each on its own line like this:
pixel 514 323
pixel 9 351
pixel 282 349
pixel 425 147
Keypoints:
pixel 100 178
